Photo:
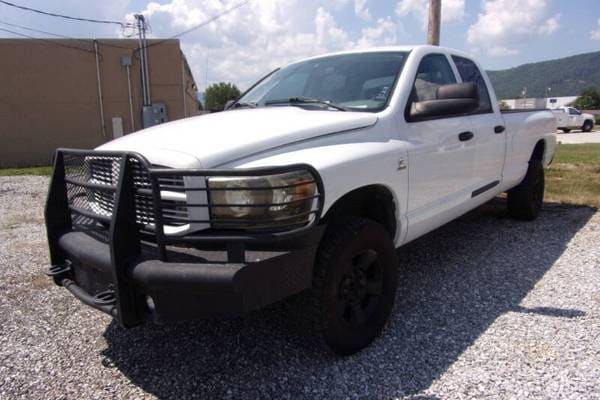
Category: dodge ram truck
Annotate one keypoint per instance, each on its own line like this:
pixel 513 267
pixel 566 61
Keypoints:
pixel 305 185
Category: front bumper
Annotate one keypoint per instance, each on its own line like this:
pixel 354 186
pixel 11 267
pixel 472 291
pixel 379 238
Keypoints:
pixel 108 263
pixel 187 287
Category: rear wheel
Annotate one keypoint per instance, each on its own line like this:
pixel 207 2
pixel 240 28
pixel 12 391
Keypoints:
pixel 354 284
pixel 525 200
pixel 565 130
pixel 587 126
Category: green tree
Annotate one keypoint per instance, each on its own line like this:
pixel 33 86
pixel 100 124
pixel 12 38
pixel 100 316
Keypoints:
pixel 589 99
pixel 218 94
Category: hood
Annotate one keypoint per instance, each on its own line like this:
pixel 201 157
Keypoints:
pixel 214 139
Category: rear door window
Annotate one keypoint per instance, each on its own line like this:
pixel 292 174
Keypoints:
pixel 470 73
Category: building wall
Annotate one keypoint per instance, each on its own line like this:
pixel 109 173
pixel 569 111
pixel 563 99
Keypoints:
pixel 49 94
pixel 510 102
pixel 530 103
pixel 557 102
pixel 551 102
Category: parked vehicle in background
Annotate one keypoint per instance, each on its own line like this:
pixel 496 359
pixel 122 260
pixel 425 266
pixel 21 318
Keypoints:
pixel 308 183
pixel 569 118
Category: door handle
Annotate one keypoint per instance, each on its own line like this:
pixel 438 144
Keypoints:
pixel 464 136
pixel 499 129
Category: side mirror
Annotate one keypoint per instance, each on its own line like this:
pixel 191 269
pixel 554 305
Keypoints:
pixel 228 104
pixel 451 100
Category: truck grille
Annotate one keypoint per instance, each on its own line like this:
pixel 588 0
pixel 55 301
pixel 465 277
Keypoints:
pixel 103 173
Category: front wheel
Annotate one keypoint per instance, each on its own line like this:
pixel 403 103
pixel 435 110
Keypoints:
pixel 587 126
pixel 525 200
pixel 354 284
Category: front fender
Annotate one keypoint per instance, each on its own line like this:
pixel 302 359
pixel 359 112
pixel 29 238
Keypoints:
pixel 345 166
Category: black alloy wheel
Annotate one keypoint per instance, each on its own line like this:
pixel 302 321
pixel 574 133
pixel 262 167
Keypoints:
pixel 354 284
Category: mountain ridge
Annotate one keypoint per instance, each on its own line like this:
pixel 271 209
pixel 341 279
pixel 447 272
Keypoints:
pixel 566 76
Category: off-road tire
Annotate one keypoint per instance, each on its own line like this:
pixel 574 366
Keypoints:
pixel 341 318
pixel 525 200
pixel 587 126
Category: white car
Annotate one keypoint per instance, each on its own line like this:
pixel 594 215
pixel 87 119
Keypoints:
pixel 569 118
pixel 308 183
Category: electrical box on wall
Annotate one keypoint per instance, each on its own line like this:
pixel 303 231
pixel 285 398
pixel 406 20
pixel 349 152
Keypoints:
pixel 126 60
pixel 117 127
pixel 155 114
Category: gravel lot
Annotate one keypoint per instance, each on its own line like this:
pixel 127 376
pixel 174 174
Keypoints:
pixel 488 308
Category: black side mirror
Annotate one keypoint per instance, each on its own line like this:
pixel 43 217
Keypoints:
pixel 451 100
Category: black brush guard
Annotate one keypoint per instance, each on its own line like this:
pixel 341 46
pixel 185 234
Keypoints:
pixel 116 257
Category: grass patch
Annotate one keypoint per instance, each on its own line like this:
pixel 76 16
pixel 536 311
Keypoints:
pixel 44 171
pixel 574 176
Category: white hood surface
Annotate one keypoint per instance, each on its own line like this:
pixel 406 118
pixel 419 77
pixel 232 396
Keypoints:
pixel 211 140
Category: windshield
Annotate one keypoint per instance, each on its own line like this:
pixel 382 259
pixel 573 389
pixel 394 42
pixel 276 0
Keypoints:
pixel 358 82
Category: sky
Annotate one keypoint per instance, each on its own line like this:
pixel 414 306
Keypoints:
pixel 245 44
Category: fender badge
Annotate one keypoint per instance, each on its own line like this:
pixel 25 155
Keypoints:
pixel 401 165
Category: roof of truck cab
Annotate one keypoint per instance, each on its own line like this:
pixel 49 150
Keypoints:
pixel 408 48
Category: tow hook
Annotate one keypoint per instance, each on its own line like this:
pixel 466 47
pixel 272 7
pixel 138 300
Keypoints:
pixel 59 270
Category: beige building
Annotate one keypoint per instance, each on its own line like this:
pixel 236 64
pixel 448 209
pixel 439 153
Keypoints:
pixel 76 93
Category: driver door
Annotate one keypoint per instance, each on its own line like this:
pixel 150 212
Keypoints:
pixel 442 156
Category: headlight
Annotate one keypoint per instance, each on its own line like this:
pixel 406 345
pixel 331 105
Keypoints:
pixel 262 202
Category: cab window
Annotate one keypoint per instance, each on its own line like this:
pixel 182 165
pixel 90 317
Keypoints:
pixel 470 73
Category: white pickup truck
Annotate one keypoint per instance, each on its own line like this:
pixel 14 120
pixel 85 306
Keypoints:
pixel 308 183
pixel 569 118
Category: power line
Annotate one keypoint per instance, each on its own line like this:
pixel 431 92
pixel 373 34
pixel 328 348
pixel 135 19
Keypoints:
pixel 128 25
pixel 208 21
pixel 48 41
pixel 98 21
pixel 213 18
pixel 62 36
pixel 37 30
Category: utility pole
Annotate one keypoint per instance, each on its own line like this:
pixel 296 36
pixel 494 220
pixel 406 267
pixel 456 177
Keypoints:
pixel 435 16
pixel 141 25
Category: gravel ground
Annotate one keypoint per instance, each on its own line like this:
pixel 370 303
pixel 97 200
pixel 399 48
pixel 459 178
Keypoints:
pixel 488 308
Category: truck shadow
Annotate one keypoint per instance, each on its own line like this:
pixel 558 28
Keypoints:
pixel 455 282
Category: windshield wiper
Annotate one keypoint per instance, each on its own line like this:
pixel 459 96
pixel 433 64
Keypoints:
pixel 249 104
pixel 305 100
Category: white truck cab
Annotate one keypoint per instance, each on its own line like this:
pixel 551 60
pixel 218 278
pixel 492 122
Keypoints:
pixel 308 182
pixel 570 118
